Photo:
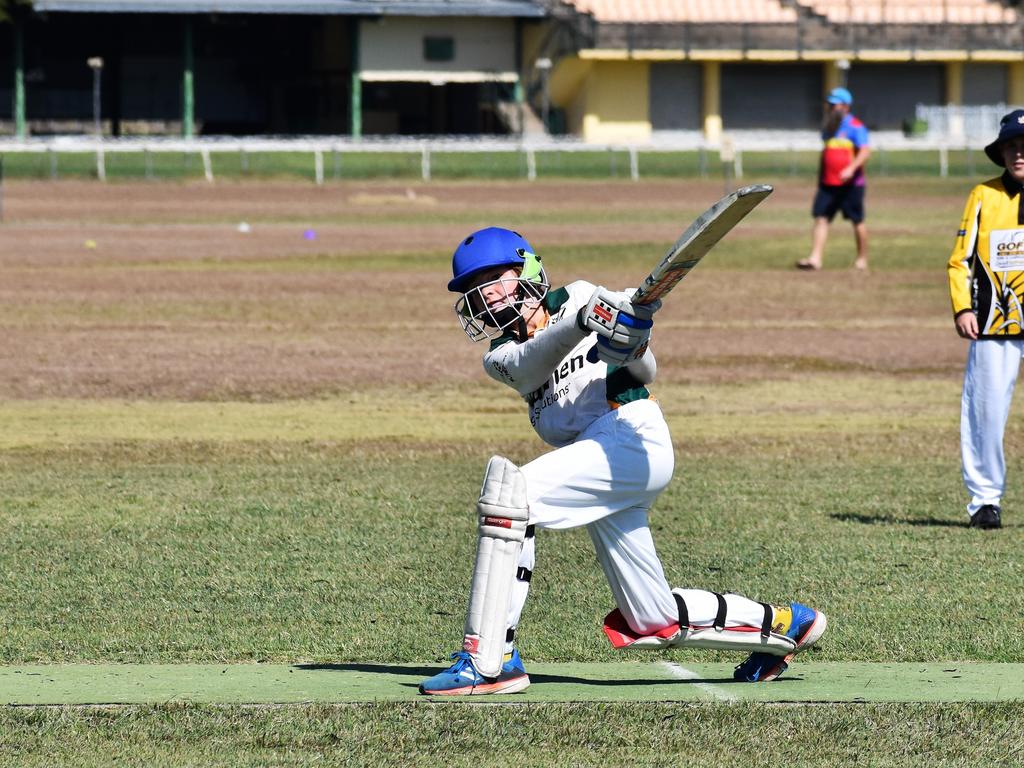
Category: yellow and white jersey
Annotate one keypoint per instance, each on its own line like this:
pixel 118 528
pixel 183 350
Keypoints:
pixel 986 268
pixel 557 372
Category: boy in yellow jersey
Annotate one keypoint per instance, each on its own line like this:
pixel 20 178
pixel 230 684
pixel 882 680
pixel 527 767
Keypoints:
pixel 986 287
pixel 580 358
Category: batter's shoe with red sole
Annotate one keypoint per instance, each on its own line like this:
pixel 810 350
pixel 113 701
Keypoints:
pixel 803 625
pixel 462 678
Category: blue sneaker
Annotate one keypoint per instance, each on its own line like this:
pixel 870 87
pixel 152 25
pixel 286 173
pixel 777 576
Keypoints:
pixel 802 624
pixel 462 679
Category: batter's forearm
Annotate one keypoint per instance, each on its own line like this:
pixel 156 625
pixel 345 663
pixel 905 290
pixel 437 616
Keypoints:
pixel 526 366
pixel 644 369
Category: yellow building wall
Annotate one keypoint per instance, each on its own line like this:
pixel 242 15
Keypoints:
pixel 567 91
pixel 614 102
pixel 1015 86
pixel 711 100
pixel 831 76
pixel 954 82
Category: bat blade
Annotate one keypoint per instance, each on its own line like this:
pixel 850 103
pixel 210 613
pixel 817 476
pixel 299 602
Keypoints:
pixel 699 238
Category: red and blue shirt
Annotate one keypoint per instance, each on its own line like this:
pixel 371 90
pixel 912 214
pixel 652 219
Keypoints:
pixel 840 149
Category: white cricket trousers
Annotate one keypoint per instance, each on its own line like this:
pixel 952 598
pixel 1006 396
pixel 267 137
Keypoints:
pixel 989 378
pixel 607 481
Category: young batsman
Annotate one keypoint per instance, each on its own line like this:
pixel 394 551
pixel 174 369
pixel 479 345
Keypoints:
pixel 580 357
pixel 986 287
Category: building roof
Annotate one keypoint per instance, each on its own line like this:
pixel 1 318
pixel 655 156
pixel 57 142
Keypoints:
pixel 519 8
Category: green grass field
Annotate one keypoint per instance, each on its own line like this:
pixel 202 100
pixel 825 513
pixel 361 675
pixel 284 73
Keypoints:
pixel 316 531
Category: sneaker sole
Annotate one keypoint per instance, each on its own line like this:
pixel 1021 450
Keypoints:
pixel 503 686
pixel 805 641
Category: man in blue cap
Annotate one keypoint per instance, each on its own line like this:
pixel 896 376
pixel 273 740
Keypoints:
pixel 986 288
pixel 840 179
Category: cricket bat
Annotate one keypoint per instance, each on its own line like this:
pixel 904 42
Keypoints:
pixel 699 238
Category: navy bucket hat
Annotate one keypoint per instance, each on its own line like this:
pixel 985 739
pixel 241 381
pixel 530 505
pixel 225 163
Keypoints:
pixel 1011 126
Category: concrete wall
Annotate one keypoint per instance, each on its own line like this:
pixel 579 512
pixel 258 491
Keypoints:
pixel 392 48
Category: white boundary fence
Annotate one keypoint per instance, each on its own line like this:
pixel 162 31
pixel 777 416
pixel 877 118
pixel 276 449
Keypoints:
pixel 975 123
pixel 729 152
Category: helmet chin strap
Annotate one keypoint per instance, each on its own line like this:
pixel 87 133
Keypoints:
pixel 521 328
pixel 509 317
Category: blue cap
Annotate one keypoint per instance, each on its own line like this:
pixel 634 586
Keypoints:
pixel 839 96
pixel 1011 126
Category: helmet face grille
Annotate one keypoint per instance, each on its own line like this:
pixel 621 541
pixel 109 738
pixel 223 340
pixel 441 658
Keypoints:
pixel 481 321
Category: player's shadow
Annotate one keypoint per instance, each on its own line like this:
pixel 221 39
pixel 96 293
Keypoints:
pixel 395 669
pixel 850 517
pixel 383 669
pixel 535 678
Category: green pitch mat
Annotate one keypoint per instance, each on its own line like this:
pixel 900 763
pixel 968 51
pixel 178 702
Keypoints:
pixel 94 684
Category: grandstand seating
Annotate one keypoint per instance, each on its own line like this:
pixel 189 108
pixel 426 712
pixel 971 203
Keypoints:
pixel 778 12
pixel 912 11
pixel 693 11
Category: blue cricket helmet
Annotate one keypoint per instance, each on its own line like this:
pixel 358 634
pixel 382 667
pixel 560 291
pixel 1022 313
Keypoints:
pixel 493 247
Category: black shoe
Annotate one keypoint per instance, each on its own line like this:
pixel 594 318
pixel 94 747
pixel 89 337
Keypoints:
pixel 986 517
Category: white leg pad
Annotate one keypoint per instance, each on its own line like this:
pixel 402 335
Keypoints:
pixel 737 638
pixel 503 517
pixel 741 637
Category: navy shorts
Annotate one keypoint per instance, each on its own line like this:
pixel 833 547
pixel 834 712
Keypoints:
pixel 848 199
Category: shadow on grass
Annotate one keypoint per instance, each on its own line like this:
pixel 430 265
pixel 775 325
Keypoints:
pixel 850 517
pixel 382 669
pixel 394 669
pixel 613 683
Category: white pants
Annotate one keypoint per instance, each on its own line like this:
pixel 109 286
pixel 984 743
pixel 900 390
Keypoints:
pixel 607 480
pixel 989 378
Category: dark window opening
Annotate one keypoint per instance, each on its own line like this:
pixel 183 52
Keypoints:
pixel 438 49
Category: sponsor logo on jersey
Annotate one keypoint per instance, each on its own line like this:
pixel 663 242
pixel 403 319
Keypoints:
pixel 502 370
pixel 1006 250
pixel 567 368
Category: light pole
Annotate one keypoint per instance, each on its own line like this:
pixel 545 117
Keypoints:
pixel 544 67
pixel 96 65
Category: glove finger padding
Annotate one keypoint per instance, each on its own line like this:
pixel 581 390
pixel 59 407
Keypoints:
pixel 615 355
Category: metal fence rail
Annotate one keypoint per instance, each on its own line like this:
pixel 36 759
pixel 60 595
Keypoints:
pixel 318 158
